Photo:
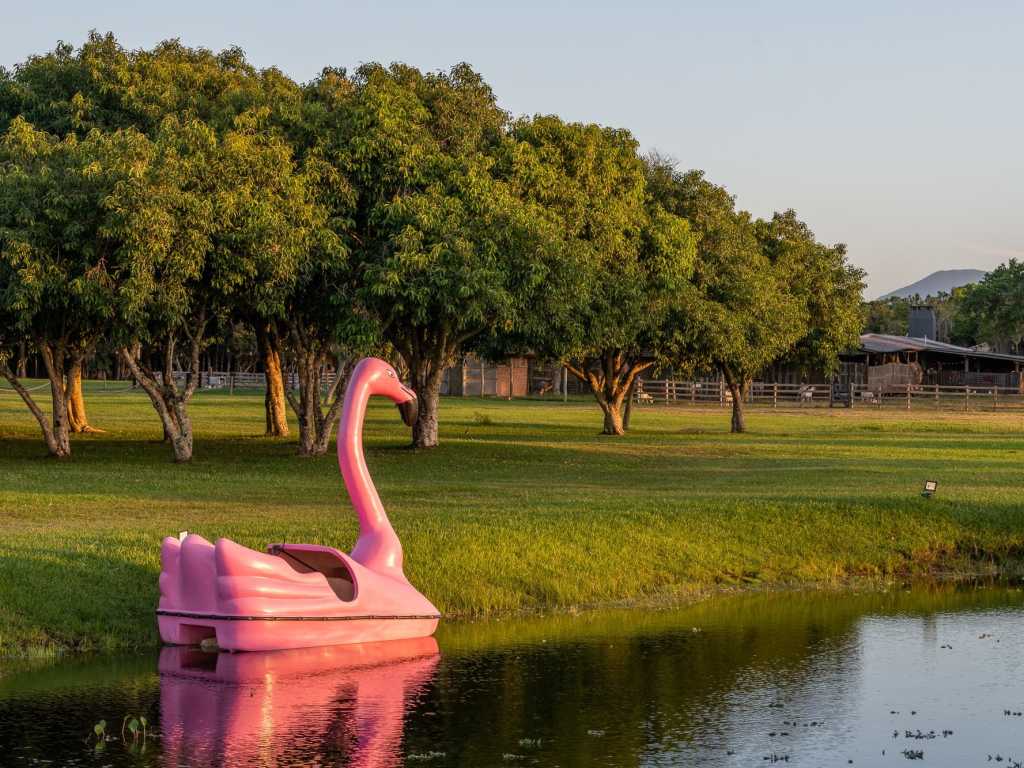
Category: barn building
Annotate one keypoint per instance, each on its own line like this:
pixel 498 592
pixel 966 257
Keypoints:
pixel 886 363
pixel 474 377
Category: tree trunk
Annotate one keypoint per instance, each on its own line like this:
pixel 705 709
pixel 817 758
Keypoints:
pixel 274 401
pixel 627 410
pixel 738 390
pixel 425 357
pixel 177 426
pixel 426 364
pixel 78 421
pixel 309 401
pixel 316 424
pixel 58 447
pixel 170 401
pixel 180 432
pixel 334 400
pixel 428 396
pixel 22 367
pixel 739 423
pixel 611 378
pixel 54 361
pixel 613 418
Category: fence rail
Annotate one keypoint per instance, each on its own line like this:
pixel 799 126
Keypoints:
pixel 246 380
pixel 908 397
pixel 713 393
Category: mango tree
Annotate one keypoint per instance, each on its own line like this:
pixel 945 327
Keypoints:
pixel 100 85
pixel 826 286
pixel 444 252
pixel 619 275
pixel 743 315
pixel 992 311
pixel 56 279
pixel 206 223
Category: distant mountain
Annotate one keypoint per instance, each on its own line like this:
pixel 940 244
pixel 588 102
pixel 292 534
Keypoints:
pixel 943 281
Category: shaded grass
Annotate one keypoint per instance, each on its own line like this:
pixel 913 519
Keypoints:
pixel 524 506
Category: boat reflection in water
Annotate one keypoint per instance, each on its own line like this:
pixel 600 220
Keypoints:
pixel 333 705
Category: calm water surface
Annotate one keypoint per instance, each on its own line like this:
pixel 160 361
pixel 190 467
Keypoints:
pixel 935 674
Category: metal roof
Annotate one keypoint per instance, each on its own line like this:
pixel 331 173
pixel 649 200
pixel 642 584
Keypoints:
pixel 883 342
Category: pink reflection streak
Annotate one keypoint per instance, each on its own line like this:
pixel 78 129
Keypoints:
pixel 291 707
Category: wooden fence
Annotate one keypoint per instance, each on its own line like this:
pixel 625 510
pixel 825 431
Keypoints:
pixel 906 397
pixel 232 380
pixel 761 394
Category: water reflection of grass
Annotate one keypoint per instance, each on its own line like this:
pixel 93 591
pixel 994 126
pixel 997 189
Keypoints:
pixel 733 614
pixel 523 507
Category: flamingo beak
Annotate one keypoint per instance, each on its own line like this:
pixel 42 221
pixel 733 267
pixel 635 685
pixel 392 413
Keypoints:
pixel 408 408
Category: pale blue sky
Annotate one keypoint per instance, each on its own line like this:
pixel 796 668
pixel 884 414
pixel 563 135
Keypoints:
pixel 893 127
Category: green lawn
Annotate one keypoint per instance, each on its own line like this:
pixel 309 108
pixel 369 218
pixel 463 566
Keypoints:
pixel 524 506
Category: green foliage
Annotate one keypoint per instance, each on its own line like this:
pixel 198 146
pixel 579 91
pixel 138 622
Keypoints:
pixel 825 284
pixel 444 249
pixel 617 262
pixel 195 192
pixel 620 263
pixel 887 316
pixel 135 726
pixel 197 203
pixel 102 86
pixel 743 314
pixel 443 252
pixel 992 311
pixel 56 272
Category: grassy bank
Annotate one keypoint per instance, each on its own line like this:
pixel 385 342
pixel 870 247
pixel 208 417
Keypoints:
pixel 523 507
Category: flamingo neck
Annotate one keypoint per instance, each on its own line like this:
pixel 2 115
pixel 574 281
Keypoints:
pixel 378 548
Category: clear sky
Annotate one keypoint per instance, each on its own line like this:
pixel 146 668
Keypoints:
pixel 895 127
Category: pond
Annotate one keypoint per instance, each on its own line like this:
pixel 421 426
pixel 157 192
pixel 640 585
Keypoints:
pixel 933 673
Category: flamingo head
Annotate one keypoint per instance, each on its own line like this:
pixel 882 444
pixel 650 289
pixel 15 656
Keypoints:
pixel 384 381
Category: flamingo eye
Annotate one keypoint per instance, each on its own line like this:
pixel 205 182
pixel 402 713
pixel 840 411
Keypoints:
pixel 390 373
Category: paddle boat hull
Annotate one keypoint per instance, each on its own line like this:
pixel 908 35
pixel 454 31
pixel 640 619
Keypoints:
pixel 294 596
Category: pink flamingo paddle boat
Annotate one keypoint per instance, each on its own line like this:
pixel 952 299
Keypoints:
pixel 302 595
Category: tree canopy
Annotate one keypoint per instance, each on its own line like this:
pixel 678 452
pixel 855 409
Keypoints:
pixel 444 251
pixel 743 313
pixel 992 311
pixel 618 263
pixel 161 201
pixel 58 270
pixel 824 283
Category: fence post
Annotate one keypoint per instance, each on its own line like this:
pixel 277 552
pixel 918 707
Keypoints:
pixel 967 399
pixel 775 395
pixel 936 395
pixel 995 398
pixel 693 393
pixel 908 397
pixel 721 393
